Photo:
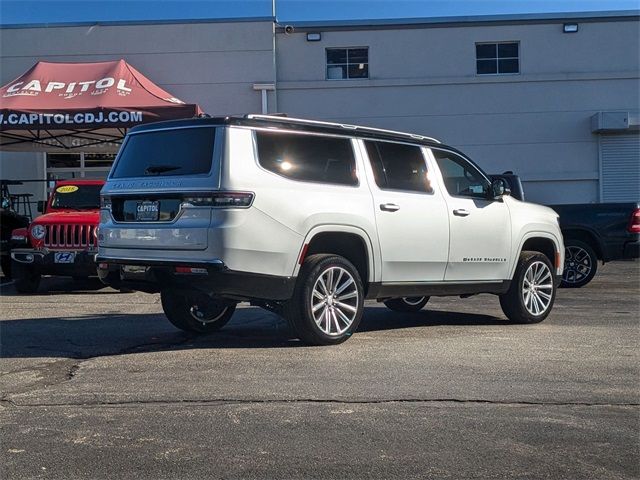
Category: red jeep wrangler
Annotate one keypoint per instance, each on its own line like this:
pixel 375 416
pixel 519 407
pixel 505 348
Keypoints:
pixel 63 241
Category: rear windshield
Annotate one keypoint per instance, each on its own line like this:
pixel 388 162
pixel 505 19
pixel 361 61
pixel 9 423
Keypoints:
pixel 185 151
pixel 77 197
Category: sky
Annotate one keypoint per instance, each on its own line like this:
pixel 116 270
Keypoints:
pixel 53 11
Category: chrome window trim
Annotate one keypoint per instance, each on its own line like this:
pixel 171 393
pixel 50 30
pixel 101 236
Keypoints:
pixel 346 126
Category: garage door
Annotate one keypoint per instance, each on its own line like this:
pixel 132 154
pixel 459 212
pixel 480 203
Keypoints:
pixel 620 160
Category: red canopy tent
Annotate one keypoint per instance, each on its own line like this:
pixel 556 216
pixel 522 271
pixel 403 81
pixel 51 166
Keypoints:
pixel 63 106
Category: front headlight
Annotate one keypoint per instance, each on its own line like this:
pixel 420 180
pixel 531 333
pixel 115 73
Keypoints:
pixel 38 231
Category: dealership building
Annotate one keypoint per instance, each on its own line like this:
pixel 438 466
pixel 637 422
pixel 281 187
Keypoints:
pixel 554 98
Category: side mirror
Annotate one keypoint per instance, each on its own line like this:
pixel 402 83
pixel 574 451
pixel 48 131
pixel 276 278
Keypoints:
pixel 41 205
pixel 499 188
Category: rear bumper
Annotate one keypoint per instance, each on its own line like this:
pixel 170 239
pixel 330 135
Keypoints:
pixel 212 277
pixel 632 249
pixel 622 247
pixel 43 262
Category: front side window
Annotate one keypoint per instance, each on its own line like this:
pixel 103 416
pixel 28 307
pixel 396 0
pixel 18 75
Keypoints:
pixel 397 166
pixel 310 158
pixel 461 178
pixel 497 58
pixel 347 63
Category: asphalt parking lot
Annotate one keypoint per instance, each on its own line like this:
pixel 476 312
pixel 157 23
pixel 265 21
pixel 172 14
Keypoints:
pixel 97 384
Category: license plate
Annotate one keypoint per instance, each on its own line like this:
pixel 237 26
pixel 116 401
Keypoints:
pixel 147 211
pixel 134 269
pixel 64 257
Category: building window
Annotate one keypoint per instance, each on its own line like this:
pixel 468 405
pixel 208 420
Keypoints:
pixel 347 63
pixel 62 166
pixel 497 58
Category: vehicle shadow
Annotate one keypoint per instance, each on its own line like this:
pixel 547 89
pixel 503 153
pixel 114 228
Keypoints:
pixel 377 319
pixel 61 285
pixel 88 336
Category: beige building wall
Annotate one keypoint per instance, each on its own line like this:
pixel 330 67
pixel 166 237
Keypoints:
pixel 423 79
pixel 213 64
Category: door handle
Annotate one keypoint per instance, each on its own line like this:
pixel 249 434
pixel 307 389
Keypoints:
pixel 461 212
pixel 389 207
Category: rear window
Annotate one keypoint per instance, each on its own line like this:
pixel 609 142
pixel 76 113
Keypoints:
pixel 309 158
pixel 185 151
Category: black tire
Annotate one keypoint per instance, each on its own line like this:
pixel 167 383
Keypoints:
pixel 299 313
pixel 580 264
pixel 5 264
pixel 406 304
pixel 111 279
pixel 513 302
pixel 27 280
pixel 184 309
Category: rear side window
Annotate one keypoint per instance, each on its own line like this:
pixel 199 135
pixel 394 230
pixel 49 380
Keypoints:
pixel 184 151
pixel 309 158
pixel 397 166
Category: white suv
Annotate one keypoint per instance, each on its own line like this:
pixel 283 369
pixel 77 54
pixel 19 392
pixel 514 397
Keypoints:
pixel 309 219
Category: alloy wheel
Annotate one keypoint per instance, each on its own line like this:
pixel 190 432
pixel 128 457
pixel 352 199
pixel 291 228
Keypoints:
pixel 334 301
pixel 207 310
pixel 537 288
pixel 413 301
pixel 577 264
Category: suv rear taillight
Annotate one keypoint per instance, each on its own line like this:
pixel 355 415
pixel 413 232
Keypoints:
pixel 220 199
pixel 105 202
pixel 634 222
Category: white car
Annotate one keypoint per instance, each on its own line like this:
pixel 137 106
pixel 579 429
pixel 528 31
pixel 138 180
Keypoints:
pixel 309 219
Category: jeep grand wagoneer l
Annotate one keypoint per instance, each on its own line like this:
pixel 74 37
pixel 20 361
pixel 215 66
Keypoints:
pixel 309 219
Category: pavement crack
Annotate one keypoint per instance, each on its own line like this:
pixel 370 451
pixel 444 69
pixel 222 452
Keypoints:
pixel 238 401
pixel 46 375
pixel 148 347
pixel 63 370
pixel 72 371
pixel 7 402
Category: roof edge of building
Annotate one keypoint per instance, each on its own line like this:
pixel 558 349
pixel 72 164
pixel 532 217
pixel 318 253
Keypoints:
pixel 588 16
pixel 110 23
pixel 608 15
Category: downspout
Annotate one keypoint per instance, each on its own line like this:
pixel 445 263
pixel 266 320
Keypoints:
pixel 274 22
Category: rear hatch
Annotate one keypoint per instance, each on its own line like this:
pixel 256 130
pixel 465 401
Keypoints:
pixel 155 189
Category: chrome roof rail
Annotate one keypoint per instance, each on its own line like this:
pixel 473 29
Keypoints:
pixel 346 126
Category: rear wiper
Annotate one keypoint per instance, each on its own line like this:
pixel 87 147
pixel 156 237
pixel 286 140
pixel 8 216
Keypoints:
pixel 155 169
